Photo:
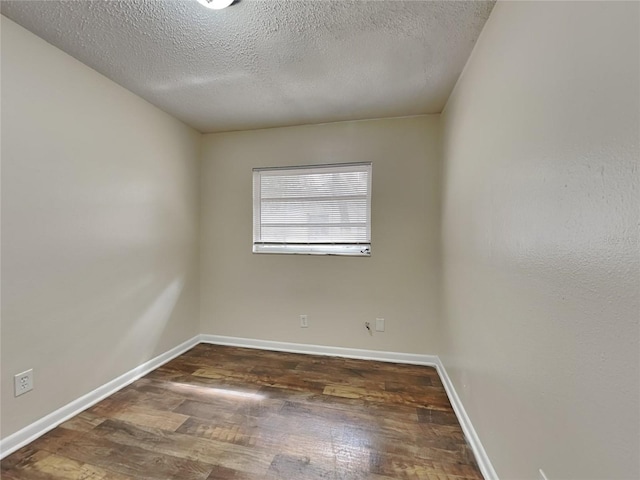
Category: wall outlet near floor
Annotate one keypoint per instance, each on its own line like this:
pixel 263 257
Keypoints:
pixel 379 324
pixel 304 321
pixel 23 382
pixel 541 475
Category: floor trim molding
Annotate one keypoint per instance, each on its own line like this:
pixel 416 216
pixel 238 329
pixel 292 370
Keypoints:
pixel 488 472
pixel 394 357
pixel 38 428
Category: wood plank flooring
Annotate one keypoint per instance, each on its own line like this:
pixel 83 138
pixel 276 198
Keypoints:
pixel 231 413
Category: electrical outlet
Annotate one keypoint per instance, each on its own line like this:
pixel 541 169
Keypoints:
pixel 379 324
pixel 304 321
pixel 23 382
pixel 542 476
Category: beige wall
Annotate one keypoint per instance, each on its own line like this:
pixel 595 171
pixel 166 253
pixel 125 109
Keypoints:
pixel 261 296
pixel 99 228
pixel 540 216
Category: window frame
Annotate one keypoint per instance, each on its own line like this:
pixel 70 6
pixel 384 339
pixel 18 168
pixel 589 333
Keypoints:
pixel 356 249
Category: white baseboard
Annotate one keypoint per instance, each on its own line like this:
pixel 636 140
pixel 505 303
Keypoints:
pixel 479 452
pixel 28 434
pixel 429 360
pixel 40 427
pixel 394 357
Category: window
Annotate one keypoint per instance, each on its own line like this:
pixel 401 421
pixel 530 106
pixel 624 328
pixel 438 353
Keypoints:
pixel 317 210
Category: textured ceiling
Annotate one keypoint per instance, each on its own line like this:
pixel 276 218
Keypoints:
pixel 268 63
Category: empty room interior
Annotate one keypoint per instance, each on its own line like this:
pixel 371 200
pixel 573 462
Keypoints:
pixel 320 239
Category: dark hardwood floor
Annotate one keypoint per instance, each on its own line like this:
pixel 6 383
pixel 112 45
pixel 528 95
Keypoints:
pixel 232 413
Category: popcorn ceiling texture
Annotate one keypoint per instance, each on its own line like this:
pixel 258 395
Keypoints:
pixel 268 63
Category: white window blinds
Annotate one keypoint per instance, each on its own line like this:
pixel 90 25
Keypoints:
pixel 315 210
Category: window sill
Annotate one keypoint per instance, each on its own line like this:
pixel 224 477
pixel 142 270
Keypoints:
pixel 343 250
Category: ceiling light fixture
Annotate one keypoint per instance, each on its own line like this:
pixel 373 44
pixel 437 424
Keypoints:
pixel 216 4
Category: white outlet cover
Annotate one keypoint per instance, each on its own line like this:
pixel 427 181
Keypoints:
pixel 304 322
pixel 23 382
pixel 379 324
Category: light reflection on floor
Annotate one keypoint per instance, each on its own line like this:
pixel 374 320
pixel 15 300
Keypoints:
pixel 226 392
